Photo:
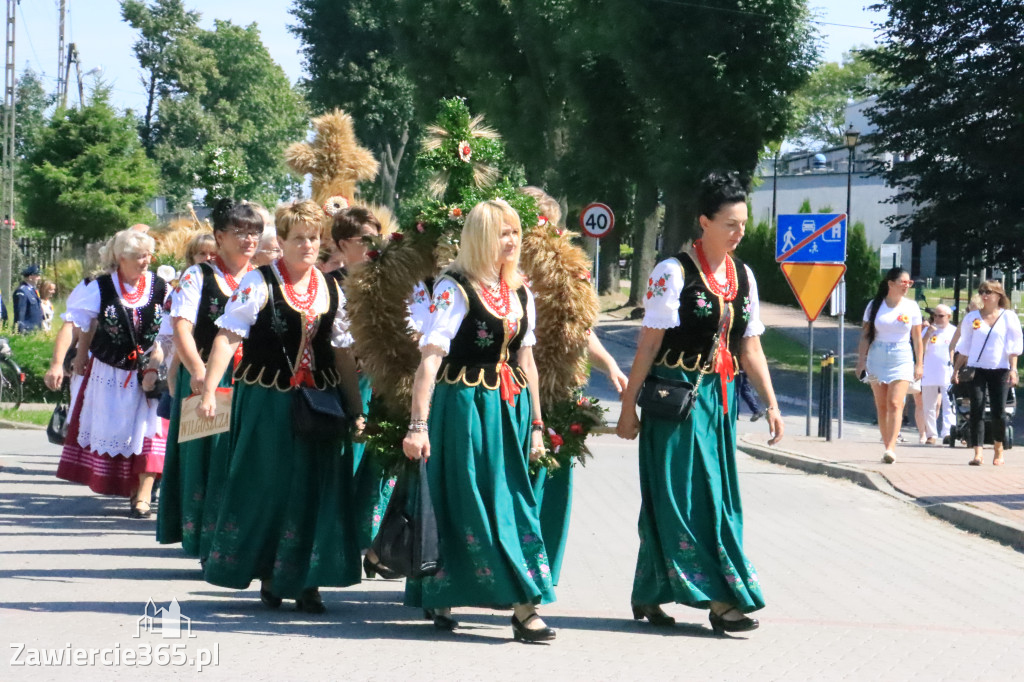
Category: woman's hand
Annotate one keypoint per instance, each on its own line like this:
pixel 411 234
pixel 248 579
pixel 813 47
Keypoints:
pixel 1012 378
pixel 359 425
pixel 198 382
pixel 54 376
pixel 775 425
pixel 536 445
pixel 207 408
pixel 80 362
pixel 618 379
pixel 629 424
pixel 918 371
pixel 148 380
pixel 416 445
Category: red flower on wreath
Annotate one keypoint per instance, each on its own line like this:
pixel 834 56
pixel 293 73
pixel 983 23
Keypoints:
pixel 455 213
pixel 577 429
pixel 420 228
pixel 465 151
pixel 556 441
pixel 373 255
pixel 397 236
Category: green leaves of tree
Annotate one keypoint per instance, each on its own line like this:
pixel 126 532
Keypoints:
pixel 89 175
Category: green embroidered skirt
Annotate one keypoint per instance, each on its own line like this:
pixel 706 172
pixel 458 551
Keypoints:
pixel 691 519
pixel 193 479
pixel 492 553
pixel 286 510
pixel 372 488
pixel 554 494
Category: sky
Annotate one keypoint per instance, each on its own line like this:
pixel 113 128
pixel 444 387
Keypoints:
pixel 104 40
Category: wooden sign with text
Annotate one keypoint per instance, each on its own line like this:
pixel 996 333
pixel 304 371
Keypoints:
pixel 193 426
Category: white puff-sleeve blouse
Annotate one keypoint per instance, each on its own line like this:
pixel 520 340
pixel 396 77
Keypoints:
pixel 448 309
pixel 661 302
pixel 245 305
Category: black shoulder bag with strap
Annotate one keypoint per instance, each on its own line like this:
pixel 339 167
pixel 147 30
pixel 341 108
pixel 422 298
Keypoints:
pixel 966 374
pixel 673 399
pixel 317 413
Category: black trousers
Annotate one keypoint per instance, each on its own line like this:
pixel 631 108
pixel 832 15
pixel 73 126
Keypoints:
pixel 994 382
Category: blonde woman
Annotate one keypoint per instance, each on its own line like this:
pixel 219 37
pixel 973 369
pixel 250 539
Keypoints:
pixel 990 341
pixel 476 416
pixel 285 514
pixel 113 443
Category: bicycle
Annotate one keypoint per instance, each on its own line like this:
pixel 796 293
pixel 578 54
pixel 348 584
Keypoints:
pixel 12 379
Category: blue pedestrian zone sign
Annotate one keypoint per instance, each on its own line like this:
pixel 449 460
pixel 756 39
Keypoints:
pixel 811 238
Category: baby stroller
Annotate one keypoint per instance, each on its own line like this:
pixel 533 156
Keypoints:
pixel 960 399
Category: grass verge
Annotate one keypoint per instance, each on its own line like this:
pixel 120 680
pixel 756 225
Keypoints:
pixel 786 354
pixel 37 417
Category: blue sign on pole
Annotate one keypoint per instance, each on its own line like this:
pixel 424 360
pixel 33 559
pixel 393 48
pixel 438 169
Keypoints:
pixel 811 238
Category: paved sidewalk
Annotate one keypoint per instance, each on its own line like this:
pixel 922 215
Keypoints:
pixel 986 499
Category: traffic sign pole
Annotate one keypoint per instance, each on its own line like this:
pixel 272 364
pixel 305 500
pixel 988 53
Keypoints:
pixel 597 221
pixel 810 372
pixel 842 359
pixel 597 264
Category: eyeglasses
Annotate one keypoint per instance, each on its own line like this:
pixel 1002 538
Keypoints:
pixel 246 234
pixel 985 292
pixel 272 252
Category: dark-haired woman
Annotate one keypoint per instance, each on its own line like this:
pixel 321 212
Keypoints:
pixel 371 489
pixel 691 517
pixel 990 341
pixel 285 514
pixel 194 471
pixel 890 352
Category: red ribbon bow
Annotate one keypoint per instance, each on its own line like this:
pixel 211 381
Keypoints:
pixel 303 378
pixel 726 370
pixel 509 386
pixel 132 357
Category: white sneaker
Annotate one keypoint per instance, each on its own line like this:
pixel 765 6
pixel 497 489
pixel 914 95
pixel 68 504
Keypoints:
pixel 889 457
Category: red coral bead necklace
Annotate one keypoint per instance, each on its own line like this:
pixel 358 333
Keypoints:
pixel 232 282
pixel 500 303
pixel 301 301
pixel 731 288
pixel 131 298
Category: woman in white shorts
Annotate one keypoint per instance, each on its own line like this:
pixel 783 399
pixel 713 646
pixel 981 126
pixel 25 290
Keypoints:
pixel 890 351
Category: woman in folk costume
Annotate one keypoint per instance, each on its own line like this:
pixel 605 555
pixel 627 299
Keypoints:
pixel 112 443
pixel 194 471
pixel 478 425
pixel 372 489
pixel 701 308
pixel 285 513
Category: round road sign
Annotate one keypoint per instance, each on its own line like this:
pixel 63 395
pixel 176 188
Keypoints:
pixel 597 220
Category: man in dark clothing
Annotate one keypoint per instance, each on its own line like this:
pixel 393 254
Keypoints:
pixel 28 309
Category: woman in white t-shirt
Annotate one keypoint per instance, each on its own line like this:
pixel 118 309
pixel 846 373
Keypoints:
pixel 990 341
pixel 890 352
pixel 938 372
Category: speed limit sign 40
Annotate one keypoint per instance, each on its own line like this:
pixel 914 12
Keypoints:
pixel 597 220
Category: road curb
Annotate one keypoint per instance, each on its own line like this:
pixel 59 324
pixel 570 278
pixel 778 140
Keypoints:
pixel 962 516
pixel 4 424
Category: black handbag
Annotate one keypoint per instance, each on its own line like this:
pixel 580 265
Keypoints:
pixel 57 428
pixel 407 541
pixel 673 399
pixel 317 413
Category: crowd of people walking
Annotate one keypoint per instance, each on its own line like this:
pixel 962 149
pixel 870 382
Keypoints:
pixel 289 499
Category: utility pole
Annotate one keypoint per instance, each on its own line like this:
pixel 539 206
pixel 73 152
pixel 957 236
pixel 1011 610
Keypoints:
pixel 62 82
pixel 71 58
pixel 7 145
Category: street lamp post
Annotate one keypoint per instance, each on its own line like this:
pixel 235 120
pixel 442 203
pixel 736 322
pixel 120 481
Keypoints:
pixel 851 144
pixel 775 183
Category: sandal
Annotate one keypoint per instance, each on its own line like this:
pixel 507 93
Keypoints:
pixel 140 510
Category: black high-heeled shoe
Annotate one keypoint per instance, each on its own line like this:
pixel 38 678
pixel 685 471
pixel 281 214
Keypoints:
pixel 269 599
pixel 441 622
pixel 372 568
pixel 521 633
pixel 309 601
pixel 720 625
pixel 654 615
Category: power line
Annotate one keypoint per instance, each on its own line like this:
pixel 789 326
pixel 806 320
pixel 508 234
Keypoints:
pixel 28 35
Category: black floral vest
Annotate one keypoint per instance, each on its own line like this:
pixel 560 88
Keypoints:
pixel 700 314
pixel 484 342
pixel 212 300
pixel 263 360
pixel 113 342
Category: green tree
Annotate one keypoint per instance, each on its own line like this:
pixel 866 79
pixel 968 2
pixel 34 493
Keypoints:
pixel 89 174
pixel 168 53
pixel 956 125
pixel 821 103
pixel 227 134
pixel 862 271
pixel 353 63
